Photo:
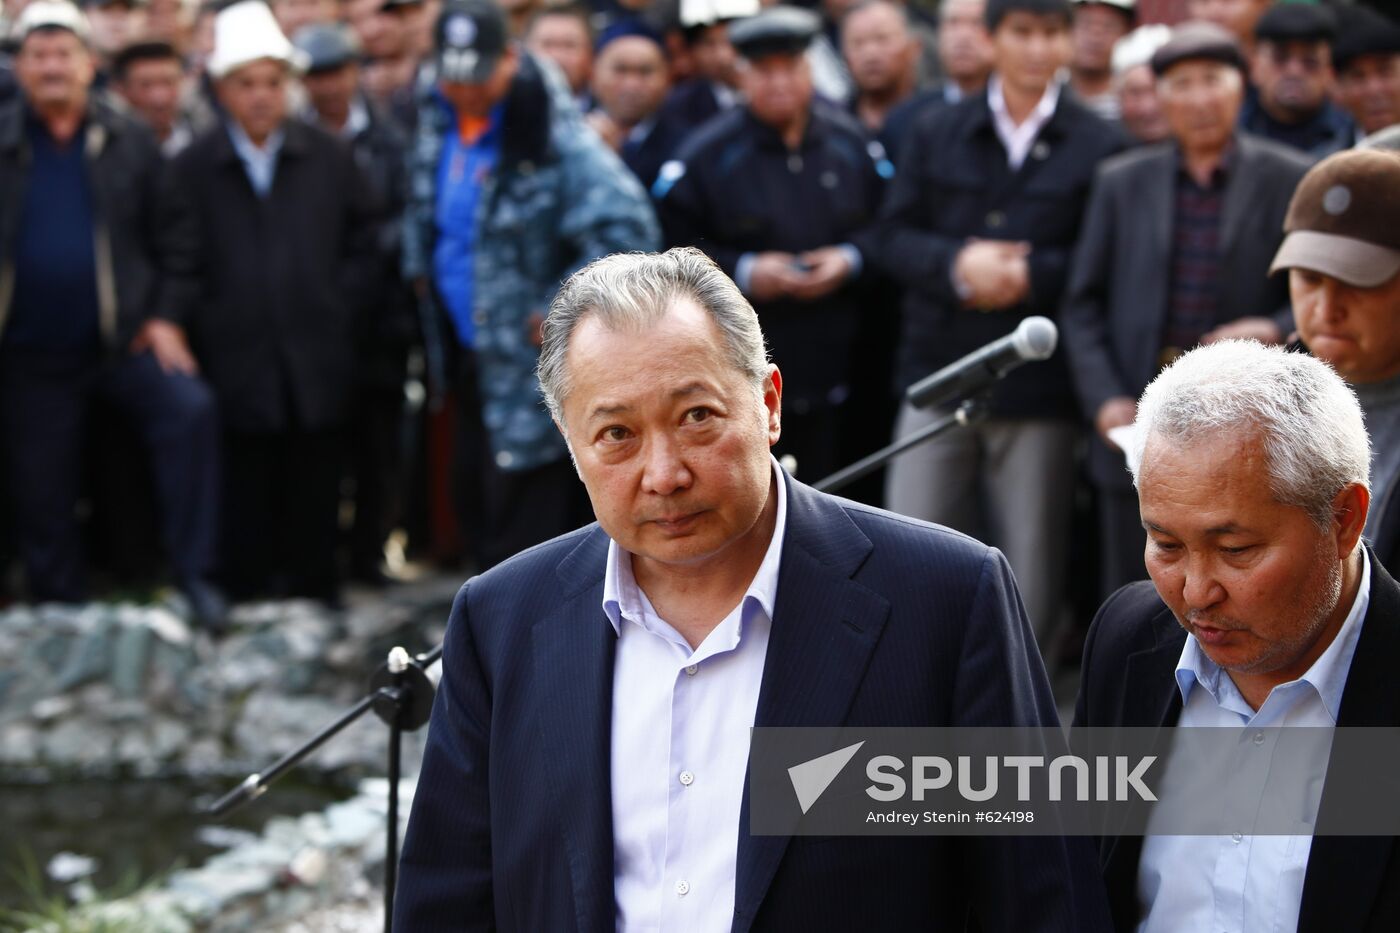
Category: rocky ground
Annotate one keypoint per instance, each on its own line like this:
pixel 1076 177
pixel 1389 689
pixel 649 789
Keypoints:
pixel 126 691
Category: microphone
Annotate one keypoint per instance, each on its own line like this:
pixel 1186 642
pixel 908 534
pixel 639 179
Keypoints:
pixel 1033 339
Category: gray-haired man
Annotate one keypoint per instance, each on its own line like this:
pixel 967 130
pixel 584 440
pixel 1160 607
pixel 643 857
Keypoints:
pixel 1264 610
pixel 599 689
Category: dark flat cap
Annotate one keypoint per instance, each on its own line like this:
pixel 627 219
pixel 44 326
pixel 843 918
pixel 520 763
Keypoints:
pixel 1287 22
pixel 1363 31
pixel 327 46
pixel 778 30
pixel 629 28
pixel 1341 221
pixel 1198 41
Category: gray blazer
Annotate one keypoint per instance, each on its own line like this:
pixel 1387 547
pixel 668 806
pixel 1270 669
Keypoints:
pixel 1115 307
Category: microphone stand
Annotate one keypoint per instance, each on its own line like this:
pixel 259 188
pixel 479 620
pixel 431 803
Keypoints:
pixel 968 412
pixel 401 695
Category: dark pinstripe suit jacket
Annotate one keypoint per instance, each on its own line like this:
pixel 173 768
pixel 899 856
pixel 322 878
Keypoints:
pixel 879 620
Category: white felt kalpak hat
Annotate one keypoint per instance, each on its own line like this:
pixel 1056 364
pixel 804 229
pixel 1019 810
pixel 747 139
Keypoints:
pixel 246 32
pixel 50 14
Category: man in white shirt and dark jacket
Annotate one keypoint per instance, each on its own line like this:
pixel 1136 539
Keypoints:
pixel 978 227
pixel 285 260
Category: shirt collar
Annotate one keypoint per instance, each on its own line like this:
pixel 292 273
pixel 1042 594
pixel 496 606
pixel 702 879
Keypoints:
pixel 1327 675
pixel 250 152
pixel 622 598
pixel 1043 111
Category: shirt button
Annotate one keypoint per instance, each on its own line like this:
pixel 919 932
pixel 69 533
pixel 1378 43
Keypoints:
pixel 995 219
pixel 1258 738
pixel 687 778
pixel 504 459
pixel 1238 837
pixel 682 888
pixel 691 670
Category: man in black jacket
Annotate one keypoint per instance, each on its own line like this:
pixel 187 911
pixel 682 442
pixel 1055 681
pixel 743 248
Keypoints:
pixel 1265 610
pixel 782 193
pixel 1175 251
pixel 91 270
pixel 284 263
pixel 978 227
pixel 338 104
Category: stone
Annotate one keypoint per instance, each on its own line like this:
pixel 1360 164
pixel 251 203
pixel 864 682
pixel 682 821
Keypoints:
pixel 51 708
pixel 76 743
pixel 134 747
pixel 47 652
pixel 89 657
pixel 19 744
pixel 168 738
pixel 130 654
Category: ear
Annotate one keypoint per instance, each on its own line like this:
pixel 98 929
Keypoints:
pixel 773 401
pixel 1349 511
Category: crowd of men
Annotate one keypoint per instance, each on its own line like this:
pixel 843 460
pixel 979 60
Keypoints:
pixel 240 229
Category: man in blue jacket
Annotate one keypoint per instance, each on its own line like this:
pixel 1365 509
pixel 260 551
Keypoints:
pixel 94 276
pixel 587 761
pixel 509 192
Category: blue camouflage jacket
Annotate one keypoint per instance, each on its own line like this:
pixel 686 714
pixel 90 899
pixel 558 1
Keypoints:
pixel 557 200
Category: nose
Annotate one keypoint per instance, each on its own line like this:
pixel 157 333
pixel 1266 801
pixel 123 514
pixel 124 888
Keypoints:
pixel 664 471
pixel 1199 588
pixel 1329 305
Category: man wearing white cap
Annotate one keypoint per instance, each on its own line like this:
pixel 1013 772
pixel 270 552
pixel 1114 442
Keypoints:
pixel 285 252
pixel 1139 110
pixel 90 297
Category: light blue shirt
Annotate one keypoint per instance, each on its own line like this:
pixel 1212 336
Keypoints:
pixel 680 747
pixel 1240 883
pixel 259 162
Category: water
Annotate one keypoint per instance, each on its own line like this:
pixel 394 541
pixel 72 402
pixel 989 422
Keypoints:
pixel 133 829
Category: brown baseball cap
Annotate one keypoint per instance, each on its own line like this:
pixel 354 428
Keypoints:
pixel 1342 220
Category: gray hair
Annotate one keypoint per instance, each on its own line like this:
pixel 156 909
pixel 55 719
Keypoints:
pixel 631 291
pixel 1307 418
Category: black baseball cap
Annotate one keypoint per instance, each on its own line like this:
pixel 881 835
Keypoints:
pixel 469 39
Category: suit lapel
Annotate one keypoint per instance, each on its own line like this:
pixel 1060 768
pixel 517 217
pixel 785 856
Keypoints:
pixel 1239 199
pixel 574 650
pixel 1345 873
pixel 1157 196
pixel 1158 707
pixel 825 629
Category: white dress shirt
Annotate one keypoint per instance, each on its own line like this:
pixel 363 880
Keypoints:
pixel 680 747
pixel 260 162
pixel 1018 140
pixel 1239 883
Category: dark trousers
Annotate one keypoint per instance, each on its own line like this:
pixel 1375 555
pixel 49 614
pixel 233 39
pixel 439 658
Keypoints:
pixel 1121 540
pixel 281 522
pixel 376 448
pixel 503 512
pixel 44 403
